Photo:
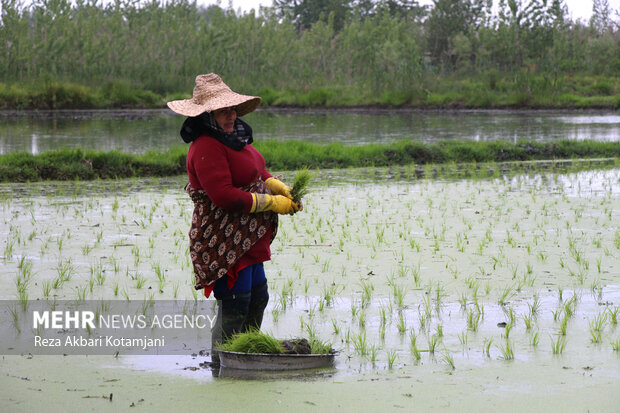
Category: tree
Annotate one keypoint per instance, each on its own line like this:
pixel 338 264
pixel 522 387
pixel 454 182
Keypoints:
pixel 304 13
pixel 601 16
pixel 527 28
pixel 407 9
pixel 449 18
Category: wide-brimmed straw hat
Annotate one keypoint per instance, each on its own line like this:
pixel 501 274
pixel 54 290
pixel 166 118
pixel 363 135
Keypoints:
pixel 211 93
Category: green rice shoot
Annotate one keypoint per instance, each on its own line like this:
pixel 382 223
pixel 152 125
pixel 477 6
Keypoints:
pixel 253 341
pixel 300 184
pixel 319 347
pixel 257 342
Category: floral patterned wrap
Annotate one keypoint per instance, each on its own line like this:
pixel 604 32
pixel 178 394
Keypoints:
pixel 218 238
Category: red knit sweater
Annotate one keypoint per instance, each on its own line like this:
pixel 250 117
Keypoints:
pixel 220 171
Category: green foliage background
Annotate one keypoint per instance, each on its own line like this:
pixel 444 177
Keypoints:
pixel 57 53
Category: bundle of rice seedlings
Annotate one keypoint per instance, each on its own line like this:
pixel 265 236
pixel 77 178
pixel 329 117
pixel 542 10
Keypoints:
pixel 253 341
pixel 320 347
pixel 300 184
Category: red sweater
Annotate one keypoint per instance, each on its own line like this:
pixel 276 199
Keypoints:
pixel 220 171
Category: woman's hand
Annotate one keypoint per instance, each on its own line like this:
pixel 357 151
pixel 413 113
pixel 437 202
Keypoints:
pixel 276 203
pixel 278 187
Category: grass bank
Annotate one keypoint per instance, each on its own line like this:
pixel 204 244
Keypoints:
pixel 79 164
pixel 478 92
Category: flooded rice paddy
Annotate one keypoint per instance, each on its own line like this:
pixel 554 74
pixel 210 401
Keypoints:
pixel 137 131
pixel 450 294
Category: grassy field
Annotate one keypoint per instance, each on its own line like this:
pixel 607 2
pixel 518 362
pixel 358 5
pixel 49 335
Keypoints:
pixel 72 164
pixel 577 92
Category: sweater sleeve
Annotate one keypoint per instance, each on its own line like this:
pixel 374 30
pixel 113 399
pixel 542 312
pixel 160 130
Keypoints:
pixel 265 175
pixel 212 169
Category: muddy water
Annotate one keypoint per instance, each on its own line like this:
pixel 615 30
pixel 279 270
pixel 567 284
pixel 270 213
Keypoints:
pixel 139 131
pixel 473 267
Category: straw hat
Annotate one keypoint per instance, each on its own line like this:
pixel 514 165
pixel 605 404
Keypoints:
pixel 211 93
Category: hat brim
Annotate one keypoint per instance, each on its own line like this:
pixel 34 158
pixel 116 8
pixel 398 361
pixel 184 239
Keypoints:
pixel 243 104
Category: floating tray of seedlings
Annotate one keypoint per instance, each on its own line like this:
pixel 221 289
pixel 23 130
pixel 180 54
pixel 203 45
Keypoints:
pixel 260 351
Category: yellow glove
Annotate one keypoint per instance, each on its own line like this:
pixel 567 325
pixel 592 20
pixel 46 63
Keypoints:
pixel 278 187
pixel 276 203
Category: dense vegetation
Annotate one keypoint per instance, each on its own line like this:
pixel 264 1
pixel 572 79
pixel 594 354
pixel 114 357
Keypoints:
pixel 69 164
pixel 87 53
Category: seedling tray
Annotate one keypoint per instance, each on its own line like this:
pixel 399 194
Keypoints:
pixel 262 361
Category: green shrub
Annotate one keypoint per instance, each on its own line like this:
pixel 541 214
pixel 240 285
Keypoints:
pixel 601 88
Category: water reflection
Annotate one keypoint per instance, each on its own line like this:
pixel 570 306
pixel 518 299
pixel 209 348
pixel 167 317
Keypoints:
pixel 138 131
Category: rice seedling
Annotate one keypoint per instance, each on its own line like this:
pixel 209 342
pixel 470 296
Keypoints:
pixel 613 315
pixel 398 293
pixel 596 288
pixel 139 279
pixel 300 184
pixel 510 313
pixel 414 244
pixel 373 350
pixel 463 301
pixel 433 341
pixel 401 326
pixel 506 350
pixel 360 344
pixel 558 345
pixel 326 264
pixel 15 318
pixel 47 288
pixel 361 320
pixel 91 283
pixel 8 249
pixel 570 305
pixel 253 341
pixel 439 294
pixel 471 283
pixel 486 347
pixel 65 270
pixel 413 346
pixel 463 338
pixel 597 326
pixel 506 294
pixel 535 305
pixel 96 271
pixel 448 359
pixel 391 358
pixel 161 276
pixel 473 319
pixel 86 249
pixel 508 329
pixel 615 345
pixel 542 256
pixel 563 325
pixel 367 289
pixel 439 330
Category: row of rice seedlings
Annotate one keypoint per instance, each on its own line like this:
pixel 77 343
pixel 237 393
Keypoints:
pixel 67 268
pixel 383 245
pixel 488 236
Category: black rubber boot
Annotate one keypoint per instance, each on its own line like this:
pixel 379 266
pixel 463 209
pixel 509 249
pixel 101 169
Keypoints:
pixel 258 303
pixel 232 311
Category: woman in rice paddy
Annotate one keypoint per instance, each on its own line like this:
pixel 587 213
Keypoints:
pixel 236 205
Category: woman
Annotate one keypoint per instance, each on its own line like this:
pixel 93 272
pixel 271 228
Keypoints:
pixel 236 202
